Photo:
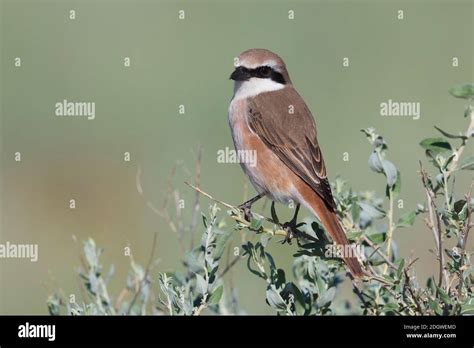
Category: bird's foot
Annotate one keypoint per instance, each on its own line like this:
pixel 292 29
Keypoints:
pixel 245 208
pixel 291 228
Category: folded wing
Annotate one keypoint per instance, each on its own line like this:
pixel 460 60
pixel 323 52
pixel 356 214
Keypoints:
pixel 287 127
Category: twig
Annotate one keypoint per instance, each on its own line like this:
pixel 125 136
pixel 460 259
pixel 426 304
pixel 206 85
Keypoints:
pixel 229 266
pixel 162 211
pixel 179 220
pixel 465 232
pixel 202 306
pixel 145 276
pixel 435 225
pixel 408 286
pixel 83 264
pixel 390 229
pixel 227 205
pixel 238 218
pixel 279 232
pixel 460 150
pixel 377 250
pixel 197 182
pixel 467 226
pixel 359 294
pixel 411 264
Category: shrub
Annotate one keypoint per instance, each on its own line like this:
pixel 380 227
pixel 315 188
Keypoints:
pixel 390 287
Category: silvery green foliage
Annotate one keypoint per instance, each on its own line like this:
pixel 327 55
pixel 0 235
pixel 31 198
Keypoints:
pixel 196 289
pixel 94 282
pixel 316 277
pixel 200 288
pixel 370 219
pixel 377 159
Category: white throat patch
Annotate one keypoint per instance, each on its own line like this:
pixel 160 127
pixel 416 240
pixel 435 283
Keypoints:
pixel 254 86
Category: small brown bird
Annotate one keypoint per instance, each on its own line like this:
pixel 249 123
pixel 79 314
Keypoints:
pixel 267 116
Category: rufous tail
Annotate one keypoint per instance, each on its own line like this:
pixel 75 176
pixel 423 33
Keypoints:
pixel 331 224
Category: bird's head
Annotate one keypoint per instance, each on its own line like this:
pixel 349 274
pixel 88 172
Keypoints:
pixel 258 70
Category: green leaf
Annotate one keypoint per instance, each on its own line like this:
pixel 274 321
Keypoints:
pixel 434 305
pixel 254 271
pixel 216 295
pixel 370 134
pixel 374 162
pixel 91 253
pixel 459 205
pixel 451 136
pixel 468 112
pixel 201 283
pixel 431 285
pixel 274 299
pixel 327 298
pixel 468 163
pixel 321 284
pixel 436 145
pixel 265 238
pixel 390 172
pixel 448 161
pixel 400 268
pixel 397 187
pixel 256 223
pixel 468 307
pixel 467 273
pixel 355 211
pixel 353 235
pixel 465 91
pixel 407 219
pixel 372 211
pixel 279 278
pixel 444 296
pixel 380 144
pixel 271 262
pixel 377 238
pixel 390 307
pixel 223 238
pixel 299 300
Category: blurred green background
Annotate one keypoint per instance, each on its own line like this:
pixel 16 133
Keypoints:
pixel 188 62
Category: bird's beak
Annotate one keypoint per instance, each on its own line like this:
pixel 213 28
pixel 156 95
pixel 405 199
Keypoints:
pixel 240 74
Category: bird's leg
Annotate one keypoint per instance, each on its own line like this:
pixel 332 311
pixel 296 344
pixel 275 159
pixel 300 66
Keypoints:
pixel 291 227
pixel 246 206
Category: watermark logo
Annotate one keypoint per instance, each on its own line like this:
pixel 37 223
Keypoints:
pixel 20 251
pixel 68 108
pixel 37 331
pixel 401 109
pixel 228 155
pixel 337 251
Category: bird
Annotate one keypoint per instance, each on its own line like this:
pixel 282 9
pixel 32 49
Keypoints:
pixel 268 116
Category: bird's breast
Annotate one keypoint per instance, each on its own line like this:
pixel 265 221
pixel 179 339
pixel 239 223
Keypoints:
pixel 267 173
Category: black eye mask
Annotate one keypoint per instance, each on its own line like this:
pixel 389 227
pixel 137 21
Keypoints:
pixel 262 72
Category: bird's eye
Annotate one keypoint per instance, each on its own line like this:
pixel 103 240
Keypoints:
pixel 265 71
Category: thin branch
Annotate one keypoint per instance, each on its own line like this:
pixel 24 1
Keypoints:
pixel 390 229
pixel 410 290
pixel 242 220
pixel 196 209
pixel 229 266
pixel 467 225
pixel 435 224
pixel 147 271
pixel 457 154
pixel 227 205
pixel 465 233
pixel 359 294
pixel 377 250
